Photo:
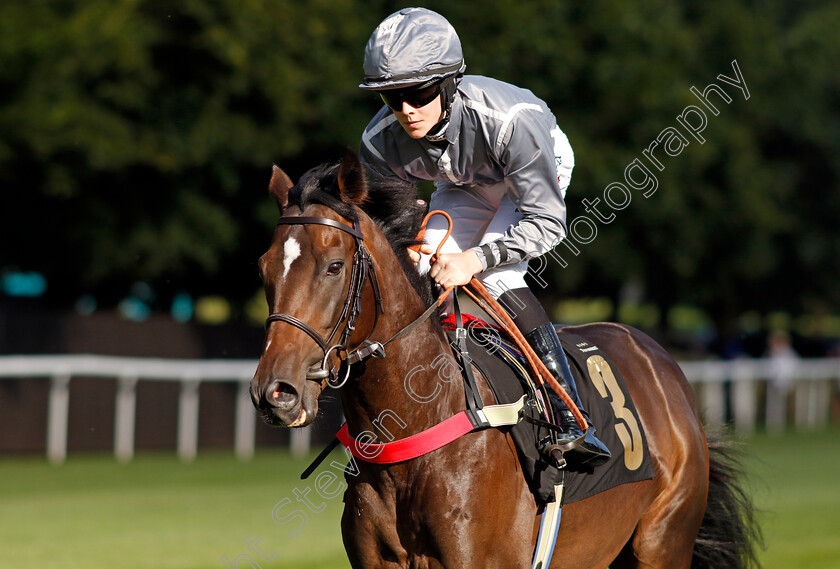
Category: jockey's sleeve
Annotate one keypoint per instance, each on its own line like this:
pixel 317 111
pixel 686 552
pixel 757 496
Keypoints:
pixel 538 169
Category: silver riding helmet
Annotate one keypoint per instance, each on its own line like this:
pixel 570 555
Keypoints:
pixel 415 47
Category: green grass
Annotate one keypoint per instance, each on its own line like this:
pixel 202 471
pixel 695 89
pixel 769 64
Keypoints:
pixel 158 513
pixel 794 483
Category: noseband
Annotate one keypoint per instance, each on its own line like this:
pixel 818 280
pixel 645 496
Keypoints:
pixel 363 268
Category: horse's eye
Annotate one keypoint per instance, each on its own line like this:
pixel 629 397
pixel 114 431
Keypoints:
pixel 335 268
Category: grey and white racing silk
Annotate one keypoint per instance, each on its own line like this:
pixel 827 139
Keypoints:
pixel 497 133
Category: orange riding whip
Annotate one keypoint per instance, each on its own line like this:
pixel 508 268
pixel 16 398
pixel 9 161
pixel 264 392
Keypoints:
pixel 475 290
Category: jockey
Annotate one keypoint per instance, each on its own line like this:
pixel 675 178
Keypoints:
pixel 500 165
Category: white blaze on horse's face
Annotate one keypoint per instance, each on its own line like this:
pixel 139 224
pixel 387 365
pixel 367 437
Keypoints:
pixel 291 251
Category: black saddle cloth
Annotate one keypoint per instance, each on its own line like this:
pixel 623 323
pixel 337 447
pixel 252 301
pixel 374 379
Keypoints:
pixel 604 395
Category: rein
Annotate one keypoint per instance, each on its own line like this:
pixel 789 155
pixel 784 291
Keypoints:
pixel 476 291
pixel 363 268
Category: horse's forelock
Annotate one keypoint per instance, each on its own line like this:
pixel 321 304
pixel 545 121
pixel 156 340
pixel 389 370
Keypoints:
pixel 391 203
pixel 319 186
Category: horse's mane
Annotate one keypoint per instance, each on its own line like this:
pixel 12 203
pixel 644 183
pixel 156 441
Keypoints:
pixel 391 203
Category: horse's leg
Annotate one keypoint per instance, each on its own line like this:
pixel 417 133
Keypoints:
pixel 465 505
pixel 593 531
pixel 667 527
pixel 369 528
pixel 665 535
pixel 664 538
pixel 483 512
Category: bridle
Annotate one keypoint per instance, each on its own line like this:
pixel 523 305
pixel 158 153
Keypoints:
pixel 363 268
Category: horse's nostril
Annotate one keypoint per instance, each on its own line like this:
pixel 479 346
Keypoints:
pixel 282 394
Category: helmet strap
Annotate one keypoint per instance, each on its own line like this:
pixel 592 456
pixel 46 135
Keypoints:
pixel 447 92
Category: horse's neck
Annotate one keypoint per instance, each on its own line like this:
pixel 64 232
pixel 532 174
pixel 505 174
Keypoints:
pixel 412 388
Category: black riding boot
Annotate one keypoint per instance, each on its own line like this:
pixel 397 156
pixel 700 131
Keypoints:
pixel 589 452
pixel 531 319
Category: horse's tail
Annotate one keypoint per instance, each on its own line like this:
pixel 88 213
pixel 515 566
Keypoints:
pixel 729 535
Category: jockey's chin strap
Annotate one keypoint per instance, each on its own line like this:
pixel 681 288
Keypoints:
pixel 362 269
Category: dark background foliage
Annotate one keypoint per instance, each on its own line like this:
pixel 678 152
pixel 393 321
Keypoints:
pixel 137 137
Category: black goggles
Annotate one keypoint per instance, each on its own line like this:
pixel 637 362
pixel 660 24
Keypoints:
pixel 416 97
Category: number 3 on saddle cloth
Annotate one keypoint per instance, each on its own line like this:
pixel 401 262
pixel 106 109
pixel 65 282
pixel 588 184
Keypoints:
pixel 603 393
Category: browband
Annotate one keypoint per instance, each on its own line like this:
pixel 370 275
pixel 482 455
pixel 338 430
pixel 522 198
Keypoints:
pixel 355 231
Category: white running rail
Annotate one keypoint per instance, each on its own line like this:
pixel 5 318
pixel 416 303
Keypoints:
pixel 809 381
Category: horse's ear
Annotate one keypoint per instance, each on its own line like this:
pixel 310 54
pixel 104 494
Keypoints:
pixel 279 187
pixel 351 179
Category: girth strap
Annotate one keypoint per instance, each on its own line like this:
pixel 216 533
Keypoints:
pixel 549 526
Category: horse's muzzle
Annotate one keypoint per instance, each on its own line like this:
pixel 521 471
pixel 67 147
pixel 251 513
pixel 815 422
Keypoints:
pixel 280 404
pixel 281 395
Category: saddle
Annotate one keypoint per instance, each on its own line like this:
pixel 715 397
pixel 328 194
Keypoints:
pixel 603 392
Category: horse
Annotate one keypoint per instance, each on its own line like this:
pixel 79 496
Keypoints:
pixel 336 276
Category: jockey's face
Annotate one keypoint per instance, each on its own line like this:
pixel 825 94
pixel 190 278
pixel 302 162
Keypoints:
pixel 418 121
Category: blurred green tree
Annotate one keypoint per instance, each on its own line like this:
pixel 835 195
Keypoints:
pixel 740 221
pixel 136 137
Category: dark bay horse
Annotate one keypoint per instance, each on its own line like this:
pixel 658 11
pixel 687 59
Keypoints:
pixel 465 505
